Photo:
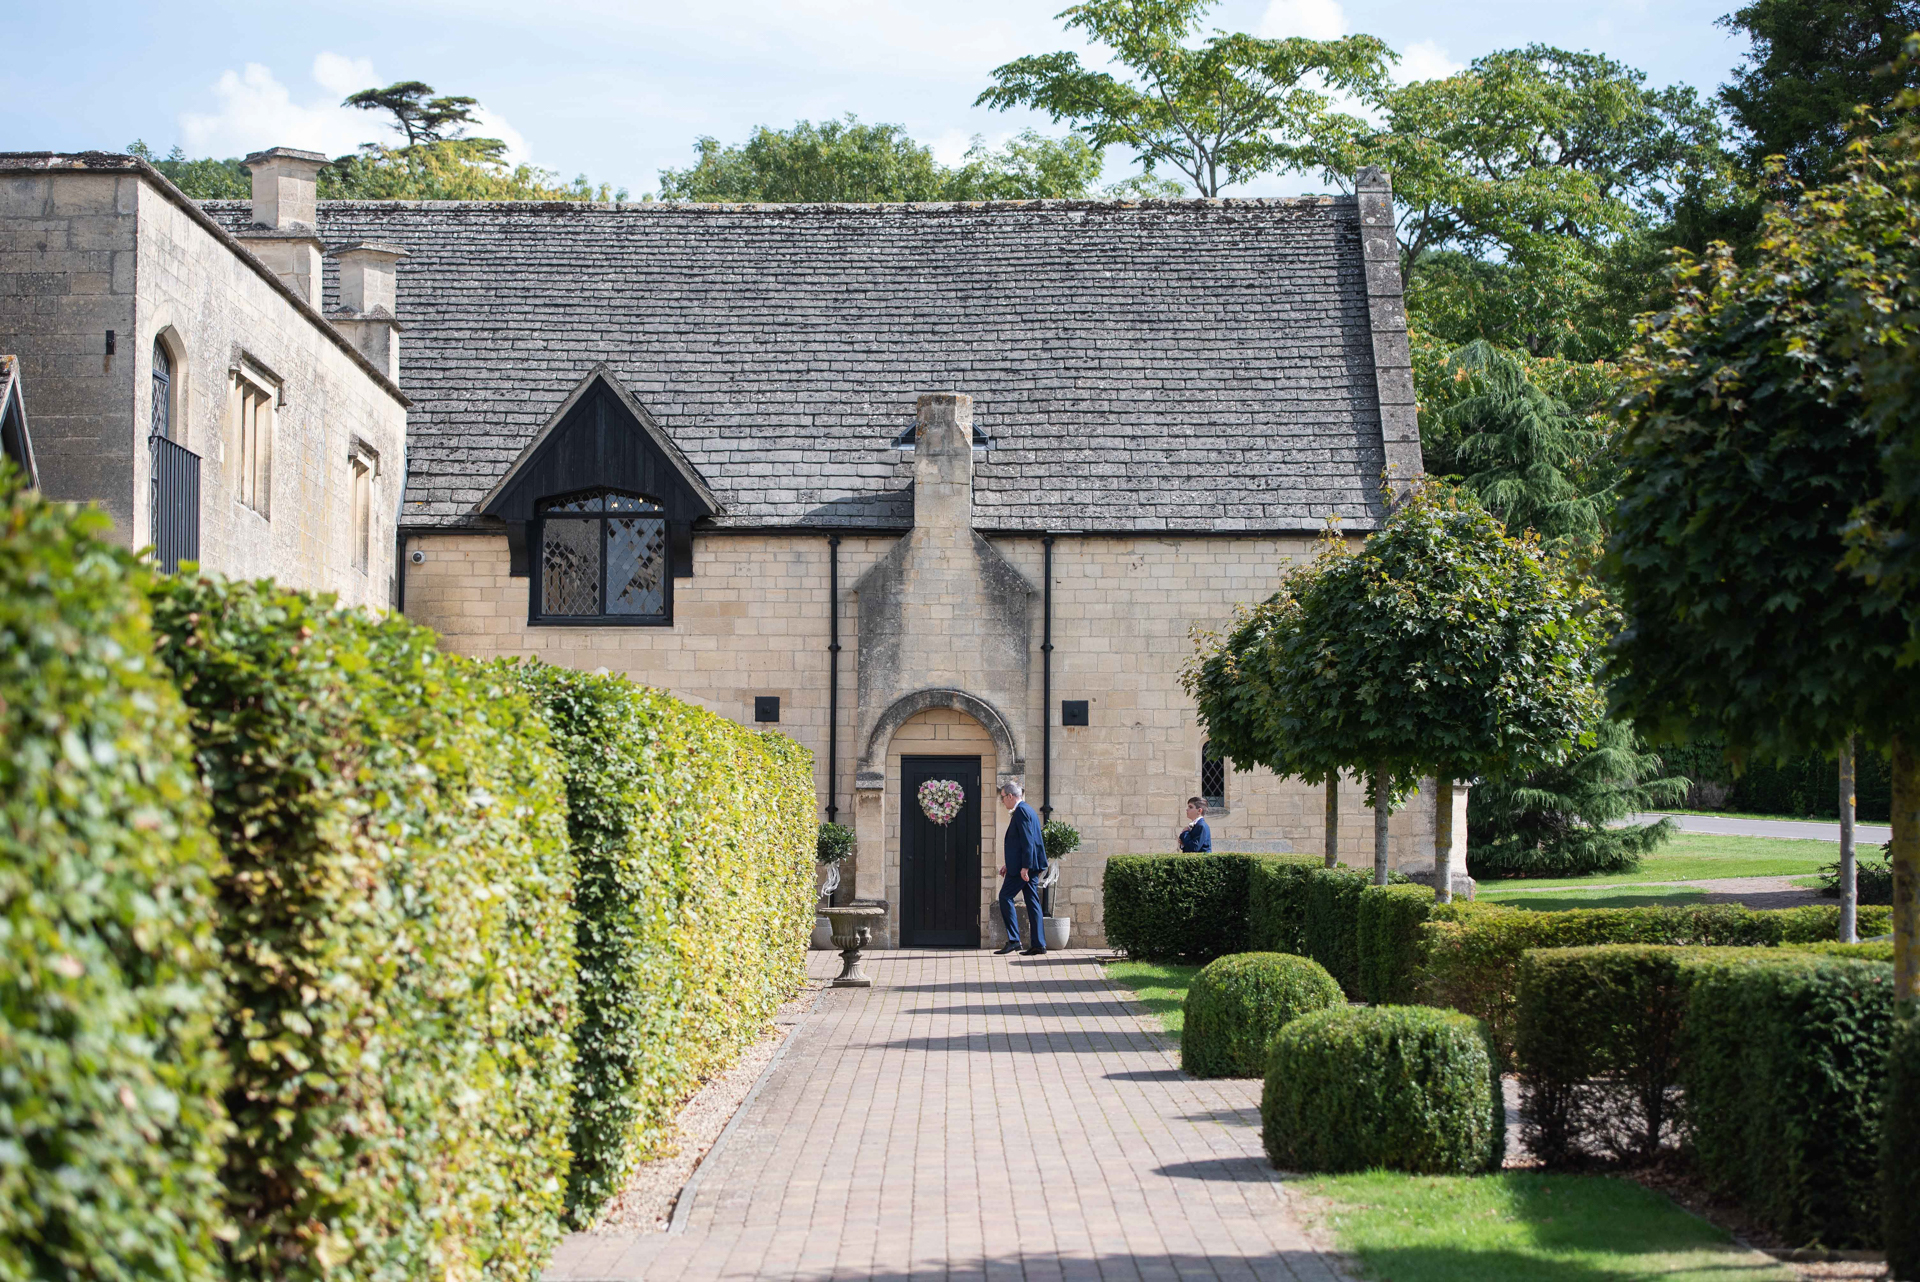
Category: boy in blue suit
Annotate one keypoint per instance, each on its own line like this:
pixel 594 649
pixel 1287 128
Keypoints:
pixel 1023 857
pixel 1196 838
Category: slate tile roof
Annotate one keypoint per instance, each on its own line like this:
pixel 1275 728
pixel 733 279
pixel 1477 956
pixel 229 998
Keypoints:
pixel 1158 366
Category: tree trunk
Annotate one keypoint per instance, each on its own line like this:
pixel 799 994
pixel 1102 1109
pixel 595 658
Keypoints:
pixel 1333 821
pixel 1849 883
pixel 1382 811
pixel 1906 873
pixel 1443 840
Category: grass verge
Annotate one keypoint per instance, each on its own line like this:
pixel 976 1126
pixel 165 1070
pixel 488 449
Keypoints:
pixel 1159 986
pixel 1702 856
pixel 1521 1226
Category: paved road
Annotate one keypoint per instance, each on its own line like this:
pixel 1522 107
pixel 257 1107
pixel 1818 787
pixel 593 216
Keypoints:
pixel 1804 829
pixel 977 1117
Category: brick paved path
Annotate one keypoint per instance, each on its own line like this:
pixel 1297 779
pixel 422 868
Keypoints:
pixel 983 1117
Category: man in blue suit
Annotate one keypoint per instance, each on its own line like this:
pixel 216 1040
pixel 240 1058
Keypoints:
pixel 1023 857
pixel 1196 838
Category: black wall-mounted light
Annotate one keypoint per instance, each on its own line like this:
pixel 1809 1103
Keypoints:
pixel 1073 712
pixel 766 707
pixel 109 342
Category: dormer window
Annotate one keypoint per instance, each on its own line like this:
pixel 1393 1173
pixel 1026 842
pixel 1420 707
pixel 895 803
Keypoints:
pixel 602 559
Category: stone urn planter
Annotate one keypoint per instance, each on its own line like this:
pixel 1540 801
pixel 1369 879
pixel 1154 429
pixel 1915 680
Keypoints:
pixel 853 926
pixel 1059 929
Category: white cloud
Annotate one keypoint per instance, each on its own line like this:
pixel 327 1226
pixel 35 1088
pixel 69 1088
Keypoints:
pixel 1314 19
pixel 255 111
pixel 1425 60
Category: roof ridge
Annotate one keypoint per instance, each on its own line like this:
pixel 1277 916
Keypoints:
pixel 1197 204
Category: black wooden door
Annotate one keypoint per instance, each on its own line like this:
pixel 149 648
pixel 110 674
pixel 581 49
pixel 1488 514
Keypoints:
pixel 939 863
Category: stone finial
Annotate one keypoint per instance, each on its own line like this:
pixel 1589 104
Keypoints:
pixel 367 277
pixel 285 188
pixel 943 462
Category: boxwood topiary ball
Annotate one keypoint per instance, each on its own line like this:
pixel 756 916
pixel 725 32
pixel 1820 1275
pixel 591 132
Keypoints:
pixel 1409 1088
pixel 1240 1001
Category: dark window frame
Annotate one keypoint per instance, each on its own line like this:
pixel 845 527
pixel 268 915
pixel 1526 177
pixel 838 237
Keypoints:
pixel 537 531
pixel 1217 767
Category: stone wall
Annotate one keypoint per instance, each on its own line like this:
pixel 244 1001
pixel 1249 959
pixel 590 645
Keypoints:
pixel 83 252
pixel 753 620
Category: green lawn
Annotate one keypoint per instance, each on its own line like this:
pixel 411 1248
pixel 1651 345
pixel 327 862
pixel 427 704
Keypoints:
pixel 1159 986
pixel 1573 897
pixel 1525 1227
pixel 1698 856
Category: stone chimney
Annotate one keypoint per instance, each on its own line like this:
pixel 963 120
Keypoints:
pixel 943 465
pixel 368 302
pixel 285 206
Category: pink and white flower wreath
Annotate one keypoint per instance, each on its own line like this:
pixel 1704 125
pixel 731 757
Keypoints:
pixel 942 799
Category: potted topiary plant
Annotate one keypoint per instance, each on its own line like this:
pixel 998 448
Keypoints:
pixel 834 845
pixel 1061 839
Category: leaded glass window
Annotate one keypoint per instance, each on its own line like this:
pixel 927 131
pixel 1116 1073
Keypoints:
pixel 603 557
pixel 162 392
pixel 1213 778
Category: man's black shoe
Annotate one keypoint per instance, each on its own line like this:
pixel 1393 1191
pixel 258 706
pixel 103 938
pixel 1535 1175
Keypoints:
pixel 1033 952
pixel 1004 949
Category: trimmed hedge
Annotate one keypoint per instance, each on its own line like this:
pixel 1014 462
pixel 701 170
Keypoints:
pixel 1597 1045
pixel 1784 1063
pixel 1389 937
pixel 1236 1005
pixel 1409 1088
pixel 396 934
pixel 1470 953
pixel 1193 906
pixel 1277 904
pixel 110 1072
pixel 1900 1151
pixel 1302 906
pixel 695 841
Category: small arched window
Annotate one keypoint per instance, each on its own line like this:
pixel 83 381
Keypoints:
pixel 603 560
pixel 162 392
pixel 1213 778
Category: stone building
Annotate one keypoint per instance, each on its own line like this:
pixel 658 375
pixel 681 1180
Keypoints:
pixel 184 378
pixel 939 490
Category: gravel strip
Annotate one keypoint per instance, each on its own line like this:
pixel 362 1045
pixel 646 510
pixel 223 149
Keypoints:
pixel 646 1205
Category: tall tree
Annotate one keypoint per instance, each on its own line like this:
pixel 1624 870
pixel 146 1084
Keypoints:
pixel 418 113
pixel 1515 182
pixel 1812 63
pixel 1217 110
pixel 205 179
pixel 1749 451
pixel 1444 647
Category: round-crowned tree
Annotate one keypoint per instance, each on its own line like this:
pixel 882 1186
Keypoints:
pixel 1444 646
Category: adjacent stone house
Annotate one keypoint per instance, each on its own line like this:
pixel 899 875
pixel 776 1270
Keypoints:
pixel 184 378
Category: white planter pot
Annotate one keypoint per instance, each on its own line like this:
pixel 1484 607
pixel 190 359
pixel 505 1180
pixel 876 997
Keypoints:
pixel 1059 930
pixel 822 933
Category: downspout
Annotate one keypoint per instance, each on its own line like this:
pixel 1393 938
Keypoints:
pixel 833 674
pixel 1046 700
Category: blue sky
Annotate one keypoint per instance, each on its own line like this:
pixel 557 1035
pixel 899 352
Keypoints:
pixel 617 89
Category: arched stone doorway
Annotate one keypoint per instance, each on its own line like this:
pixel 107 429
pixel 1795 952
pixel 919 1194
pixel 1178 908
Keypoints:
pixel 919 731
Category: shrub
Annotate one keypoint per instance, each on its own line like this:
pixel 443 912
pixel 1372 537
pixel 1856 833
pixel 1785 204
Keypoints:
pixel 694 839
pixel 833 843
pixel 1060 838
pixel 1409 1088
pixel 1389 941
pixel 1783 1062
pixel 1597 1045
pixel 1872 879
pixel 1293 908
pixel 1470 953
pixel 110 1072
pixel 1194 906
pixel 1277 904
pixel 1900 1151
pixel 397 946
pixel 1236 1005
pixel 1333 922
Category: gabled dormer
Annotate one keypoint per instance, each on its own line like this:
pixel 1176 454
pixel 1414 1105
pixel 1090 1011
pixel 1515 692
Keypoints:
pixel 599 510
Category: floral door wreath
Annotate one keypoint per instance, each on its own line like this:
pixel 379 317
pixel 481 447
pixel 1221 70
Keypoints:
pixel 941 799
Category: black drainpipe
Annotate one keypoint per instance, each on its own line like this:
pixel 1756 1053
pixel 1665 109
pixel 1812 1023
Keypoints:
pixel 1046 689
pixel 833 674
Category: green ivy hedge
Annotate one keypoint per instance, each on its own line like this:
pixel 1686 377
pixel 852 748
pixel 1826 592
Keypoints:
pixel 110 1072
pixel 1784 1065
pixel 1470 953
pixel 695 841
pixel 396 936
pixel 1408 1088
pixel 1237 1003
pixel 1193 906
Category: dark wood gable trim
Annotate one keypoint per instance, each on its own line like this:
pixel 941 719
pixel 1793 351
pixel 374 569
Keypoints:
pixel 601 439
